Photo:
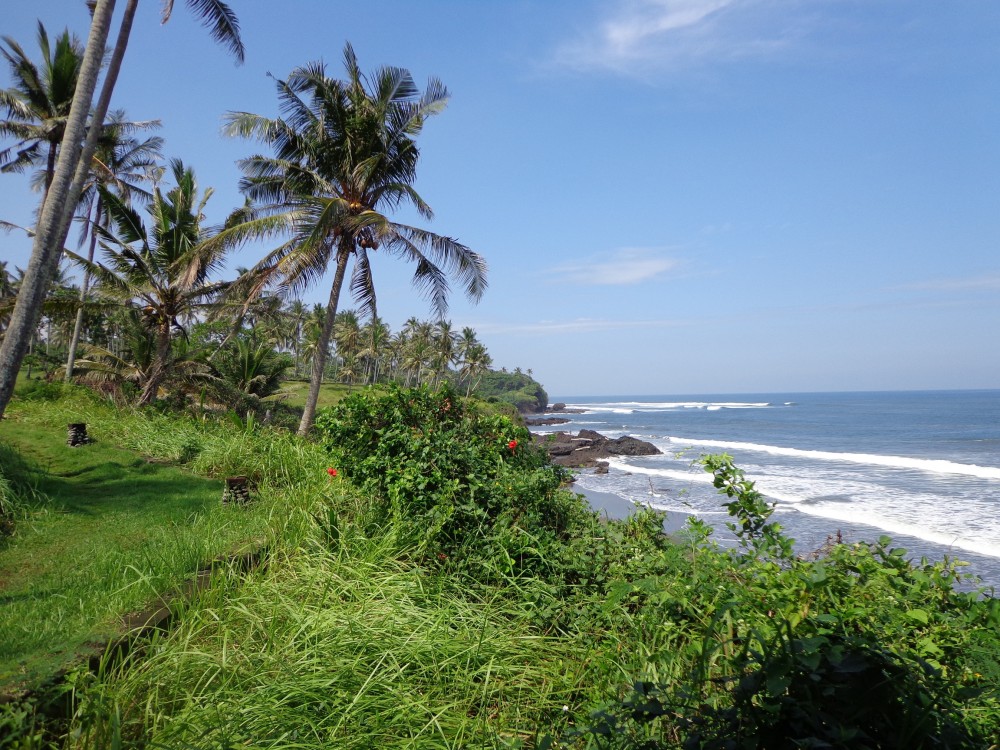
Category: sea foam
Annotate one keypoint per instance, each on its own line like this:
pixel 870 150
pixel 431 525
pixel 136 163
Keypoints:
pixel 633 407
pixel 932 465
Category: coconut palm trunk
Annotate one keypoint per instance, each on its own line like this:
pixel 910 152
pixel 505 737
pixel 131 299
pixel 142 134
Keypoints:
pixel 160 365
pixel 73 164
pixel 50 169
pixel 326 333
pixel 84 288
pixel 58 204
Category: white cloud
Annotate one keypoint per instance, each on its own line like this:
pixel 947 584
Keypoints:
pixel 974 283
pixel 652 18
pixel 638 36
pixel 622 267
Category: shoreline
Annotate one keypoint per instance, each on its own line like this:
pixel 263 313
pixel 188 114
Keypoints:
pixel 616 507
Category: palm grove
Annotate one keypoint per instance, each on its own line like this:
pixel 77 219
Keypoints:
pixel 151 317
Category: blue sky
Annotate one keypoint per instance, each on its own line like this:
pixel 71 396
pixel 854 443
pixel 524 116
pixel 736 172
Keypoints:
pixel 674 196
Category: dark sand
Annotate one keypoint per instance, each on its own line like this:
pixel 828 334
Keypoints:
pixel 614 506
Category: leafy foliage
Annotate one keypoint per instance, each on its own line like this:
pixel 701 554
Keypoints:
pixel 445 592
pixel 857 649
pixel 515 388
pixel 470 486
pixel 249 371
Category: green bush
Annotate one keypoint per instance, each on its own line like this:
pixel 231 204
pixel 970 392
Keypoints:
pixel 861 648
pixel 471 488
pixel 519 390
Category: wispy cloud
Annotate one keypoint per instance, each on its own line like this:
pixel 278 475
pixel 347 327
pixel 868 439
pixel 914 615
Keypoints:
pixel 638 36
pixel 577 325
pixel 629 265
pixel 987 282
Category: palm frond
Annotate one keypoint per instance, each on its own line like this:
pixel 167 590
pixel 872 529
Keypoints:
pixel 222 23
pixel 363 284
pixel 467 265
pixel 126 220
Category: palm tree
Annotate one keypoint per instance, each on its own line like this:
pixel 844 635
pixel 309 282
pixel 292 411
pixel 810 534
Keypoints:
pixel 344 156
pixel 475 364
pixel 347 335
pixel 296 313
pixel 315 321
pixel 348 371
pixel 376 336
pixel 58 311
pixel 128 360
pixel 250 371
pixel 37 105
pixel 122 162
pixel 164 269
pixel 444 348
pixel 466 340
pixel 73 163
pixel 418 353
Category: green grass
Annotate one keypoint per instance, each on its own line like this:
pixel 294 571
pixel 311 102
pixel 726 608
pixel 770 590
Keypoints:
pixel 347 648
pixel 329 393
pixel 356 634
pixel 110 530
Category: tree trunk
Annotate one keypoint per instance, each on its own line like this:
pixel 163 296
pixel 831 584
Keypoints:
pixel 319 356
pixel 71 171
pixel 78 323
pixel 50 170
pixel 159 368
pixel 298 345
pixel 47 244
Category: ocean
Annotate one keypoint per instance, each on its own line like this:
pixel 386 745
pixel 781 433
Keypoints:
pixel 922 467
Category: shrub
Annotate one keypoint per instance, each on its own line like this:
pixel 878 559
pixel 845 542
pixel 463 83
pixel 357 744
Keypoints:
pixel 859 649
pixel 470 488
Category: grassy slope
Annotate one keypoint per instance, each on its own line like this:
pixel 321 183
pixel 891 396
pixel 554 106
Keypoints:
pixel 346 638
pixel 116 531
pixel 329 393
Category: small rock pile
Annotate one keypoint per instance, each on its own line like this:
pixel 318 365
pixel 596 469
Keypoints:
pixel 76 434
pixel 237 490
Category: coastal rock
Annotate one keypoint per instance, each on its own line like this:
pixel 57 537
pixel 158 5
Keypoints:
pixel 561 408
pixel 544 421
pixel 588 449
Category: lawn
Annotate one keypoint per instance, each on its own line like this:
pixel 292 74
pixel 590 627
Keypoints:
pixel 108 532
pixel 329 393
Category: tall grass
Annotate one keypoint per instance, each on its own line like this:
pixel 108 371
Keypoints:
pixel 352 635
pixel 19 493
pixel 209 447
pixel 346 648
pixel 101 533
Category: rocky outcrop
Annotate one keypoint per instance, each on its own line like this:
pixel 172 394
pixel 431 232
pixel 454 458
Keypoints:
pixel 588 449
pixel 544 421
pixel 561 408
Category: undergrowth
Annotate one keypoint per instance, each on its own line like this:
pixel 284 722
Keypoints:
pixel 19 495
pixel 443 591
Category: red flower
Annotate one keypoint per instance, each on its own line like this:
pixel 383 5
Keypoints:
pixel 512 445
pixel 332 472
